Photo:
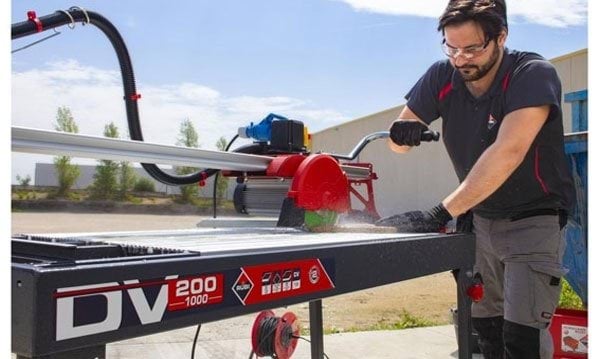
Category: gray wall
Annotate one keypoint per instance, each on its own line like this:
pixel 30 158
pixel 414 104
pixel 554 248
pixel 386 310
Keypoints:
pixel 45 176
pixel 423 177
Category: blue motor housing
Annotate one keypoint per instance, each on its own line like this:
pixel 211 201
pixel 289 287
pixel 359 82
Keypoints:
pixel 281 133
pixel 262 130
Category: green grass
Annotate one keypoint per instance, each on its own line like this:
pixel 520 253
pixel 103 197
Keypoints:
pixel 568 298
pixel 405 321
pixel 70 195
pixel 25 195
pixel 208 203
pixel 82 195
pixel 133 199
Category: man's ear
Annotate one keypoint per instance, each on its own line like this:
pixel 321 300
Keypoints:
pixel 502 37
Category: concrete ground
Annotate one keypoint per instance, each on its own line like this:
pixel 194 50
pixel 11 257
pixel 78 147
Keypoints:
pixel 230 339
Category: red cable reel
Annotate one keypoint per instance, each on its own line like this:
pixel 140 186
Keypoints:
pixel 275 336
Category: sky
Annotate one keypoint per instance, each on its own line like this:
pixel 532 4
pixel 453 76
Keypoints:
pixel 224 64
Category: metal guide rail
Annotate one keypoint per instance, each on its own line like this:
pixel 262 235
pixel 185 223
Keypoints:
pixel 90 289
pixel 31 140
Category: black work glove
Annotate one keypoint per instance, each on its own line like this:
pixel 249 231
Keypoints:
pixel 431 221
pixel 464 222
pixel 407 133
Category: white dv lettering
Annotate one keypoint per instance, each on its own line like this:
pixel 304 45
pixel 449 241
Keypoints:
pixel 65 309
pixel 65 328
pixel 142 307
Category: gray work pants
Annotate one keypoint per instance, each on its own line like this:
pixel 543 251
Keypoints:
pixel 520 263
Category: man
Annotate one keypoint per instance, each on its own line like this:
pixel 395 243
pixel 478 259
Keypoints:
pixel 502 127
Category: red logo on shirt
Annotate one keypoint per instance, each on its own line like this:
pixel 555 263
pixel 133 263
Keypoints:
pixel 491 122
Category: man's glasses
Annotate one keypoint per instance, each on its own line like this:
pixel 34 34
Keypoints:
pixel 467 53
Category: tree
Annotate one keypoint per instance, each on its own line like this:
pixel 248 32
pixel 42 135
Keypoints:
pixel 105 179
pixel 112 180
pixel 188 137
pixel 65 121
pixel 24 181
pixel 222 182
pixel 144 184
pixel 127 179
pixel 67 173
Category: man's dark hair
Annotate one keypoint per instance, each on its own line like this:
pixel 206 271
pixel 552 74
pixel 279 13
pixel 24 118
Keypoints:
pixel 489 14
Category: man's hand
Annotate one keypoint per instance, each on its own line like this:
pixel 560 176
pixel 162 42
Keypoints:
pixel 407 133
pixel 431 221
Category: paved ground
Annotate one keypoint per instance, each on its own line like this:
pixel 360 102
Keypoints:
pixel 420 343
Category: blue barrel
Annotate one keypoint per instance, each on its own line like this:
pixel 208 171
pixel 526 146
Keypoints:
pixel 576 252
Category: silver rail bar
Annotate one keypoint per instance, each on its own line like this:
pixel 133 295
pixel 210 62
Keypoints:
pixel 31 140
pixel 75 145
pixel 355 172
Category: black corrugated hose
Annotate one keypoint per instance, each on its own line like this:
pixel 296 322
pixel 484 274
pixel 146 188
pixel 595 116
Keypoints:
pixel 217 178
pixel 60 18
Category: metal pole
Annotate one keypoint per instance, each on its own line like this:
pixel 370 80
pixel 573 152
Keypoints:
pixel 75 145
pixel 464 313
pixel 30 140
pixel 315 310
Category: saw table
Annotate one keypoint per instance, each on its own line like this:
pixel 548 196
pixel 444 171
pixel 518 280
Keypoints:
pixel 73 293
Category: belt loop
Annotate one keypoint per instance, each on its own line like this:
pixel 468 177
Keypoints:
pixel 563 217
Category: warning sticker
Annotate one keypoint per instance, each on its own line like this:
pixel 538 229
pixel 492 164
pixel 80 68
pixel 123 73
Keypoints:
pixel 281 280
pixel 574 339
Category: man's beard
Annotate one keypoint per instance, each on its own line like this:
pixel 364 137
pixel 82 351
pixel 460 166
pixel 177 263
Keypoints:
pixel 478 72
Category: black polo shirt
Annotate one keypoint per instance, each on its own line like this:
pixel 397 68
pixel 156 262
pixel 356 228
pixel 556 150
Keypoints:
pixel 470 125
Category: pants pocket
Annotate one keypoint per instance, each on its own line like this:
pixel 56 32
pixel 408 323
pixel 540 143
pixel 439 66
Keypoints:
pixel 545 290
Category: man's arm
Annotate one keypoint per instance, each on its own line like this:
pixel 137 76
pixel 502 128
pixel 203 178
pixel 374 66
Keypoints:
pixel 405 115
pixel 515 136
